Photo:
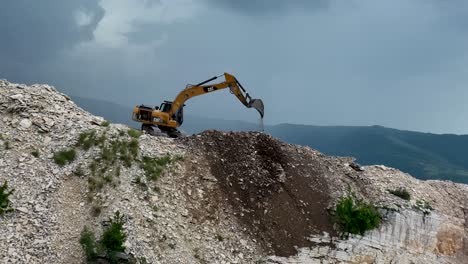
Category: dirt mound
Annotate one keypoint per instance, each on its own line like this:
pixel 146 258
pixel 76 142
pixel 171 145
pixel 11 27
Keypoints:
pixel 278 191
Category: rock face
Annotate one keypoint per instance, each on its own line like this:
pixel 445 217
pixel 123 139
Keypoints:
pixel 229 198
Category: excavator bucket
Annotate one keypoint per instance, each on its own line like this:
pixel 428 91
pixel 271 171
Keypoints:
pixel 257 104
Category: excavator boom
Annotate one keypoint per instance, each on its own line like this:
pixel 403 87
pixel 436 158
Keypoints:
pixel 170 115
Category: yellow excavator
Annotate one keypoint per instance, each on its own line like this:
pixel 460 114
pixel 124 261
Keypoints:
pixel 169 116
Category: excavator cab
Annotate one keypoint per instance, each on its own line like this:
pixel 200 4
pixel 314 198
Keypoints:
pixel 177 116
pixel 165 107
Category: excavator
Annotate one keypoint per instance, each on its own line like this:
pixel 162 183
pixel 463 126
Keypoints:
pixel 170 115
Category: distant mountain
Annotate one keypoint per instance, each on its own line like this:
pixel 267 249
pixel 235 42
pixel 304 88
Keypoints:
pixel 113 112
pixel 423 155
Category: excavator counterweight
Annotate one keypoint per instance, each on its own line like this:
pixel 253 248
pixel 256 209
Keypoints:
pixel 169 115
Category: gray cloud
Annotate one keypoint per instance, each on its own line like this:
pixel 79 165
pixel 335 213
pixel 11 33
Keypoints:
pixel 32 30
pixel 255 7
pixel 399 63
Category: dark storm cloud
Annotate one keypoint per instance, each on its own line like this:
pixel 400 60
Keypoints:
pixel 33 30
pixel 268 6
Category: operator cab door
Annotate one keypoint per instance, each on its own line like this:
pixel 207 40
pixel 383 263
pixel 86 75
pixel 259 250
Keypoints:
pixel 165 107
pixel 178 116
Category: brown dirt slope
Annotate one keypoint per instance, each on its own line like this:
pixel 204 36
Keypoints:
pixel 279 193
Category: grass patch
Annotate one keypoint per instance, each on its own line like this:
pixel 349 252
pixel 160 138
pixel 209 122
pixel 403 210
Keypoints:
pixel 87 139
pixel 402 193
pixel 113 153
pixel 95 183
pixel 4 198
pixel 423 206
pixel 105 123
pixel 134 133
pixel 133 147
pixel 64 156
pixel 154 167
pixel 355 217
pixel 35 153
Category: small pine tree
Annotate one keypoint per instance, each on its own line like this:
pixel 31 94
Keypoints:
pixel 113 238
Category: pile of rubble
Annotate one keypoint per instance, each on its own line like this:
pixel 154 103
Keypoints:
pixel 228 197
pixel 52 203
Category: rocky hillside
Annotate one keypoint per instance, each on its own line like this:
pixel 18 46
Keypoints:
pixel 215 197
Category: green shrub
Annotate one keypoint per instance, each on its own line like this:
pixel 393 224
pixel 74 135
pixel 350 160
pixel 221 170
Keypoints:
pixel 133 147
pixel 113 238
pixel 6 144
pixel 134 133
pixel 163 161
pixel 151 167
pixel 107 154
pixel 101 140
pixel 87 139
pixel 35 153
pixel 111 242
pixel 356 217
pixel 78 171
pixel 93 167
pixel 402 193
pixel 64 156
pixel 4 198
pixel 105 123
pixel 88 243
pixel 117 171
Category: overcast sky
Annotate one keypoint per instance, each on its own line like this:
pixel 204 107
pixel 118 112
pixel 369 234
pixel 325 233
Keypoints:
pixel 398 63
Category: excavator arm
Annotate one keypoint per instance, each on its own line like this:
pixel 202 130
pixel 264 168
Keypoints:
pixel 203 88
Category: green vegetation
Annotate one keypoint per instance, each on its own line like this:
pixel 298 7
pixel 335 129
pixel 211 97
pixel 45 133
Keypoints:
pixel 113 237
pixel 96 210
pixel 355 217
pixel 78 171
pixel 110 244
pixel 88 243
pixel 402 193
pixel 105 123
pixel 64 156
pixel 35 153
pixel 87 139
pixel 6 144
pixel 4 198
pixel 423 206
pixel 113 152
pixel 134 133
pixel 154 167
